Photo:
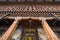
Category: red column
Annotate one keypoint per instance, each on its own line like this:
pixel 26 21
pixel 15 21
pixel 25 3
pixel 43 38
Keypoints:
pixel 49 32
pixel 8 34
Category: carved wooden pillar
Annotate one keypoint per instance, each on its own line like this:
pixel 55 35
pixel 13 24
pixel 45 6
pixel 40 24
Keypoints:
pixel 8 34
pixel 49 32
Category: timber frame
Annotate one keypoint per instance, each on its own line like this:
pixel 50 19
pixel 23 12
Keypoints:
pixel 48 30
pixel 50 34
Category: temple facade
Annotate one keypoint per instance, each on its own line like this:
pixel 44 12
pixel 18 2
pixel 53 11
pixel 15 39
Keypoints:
pixel 29 19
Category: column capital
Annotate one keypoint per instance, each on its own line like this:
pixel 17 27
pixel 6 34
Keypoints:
pixel 42 19
pixel 18 18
